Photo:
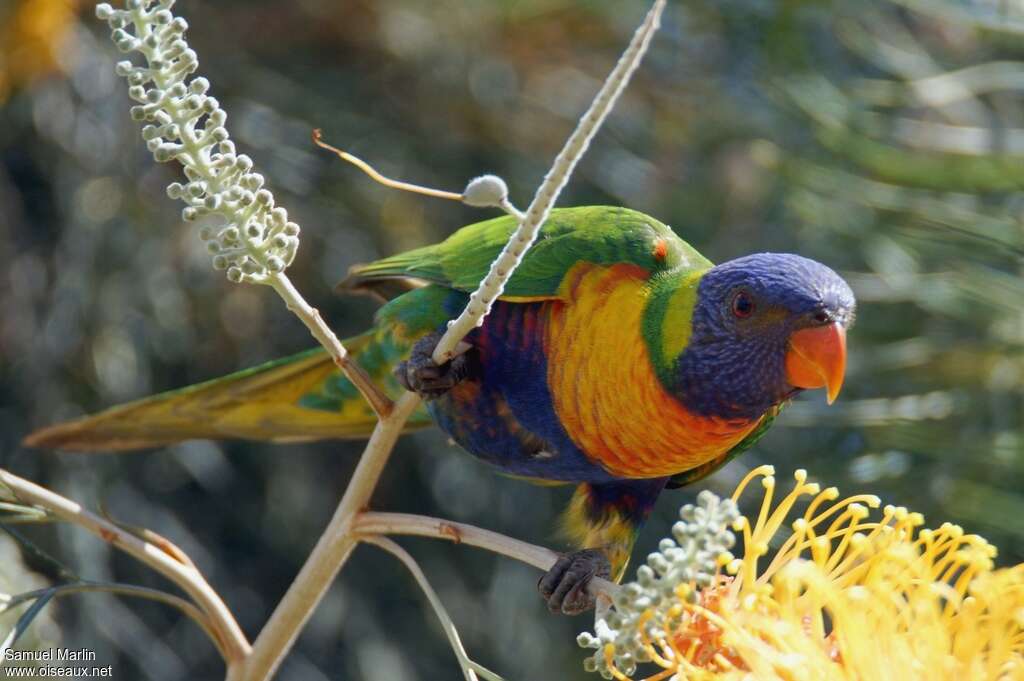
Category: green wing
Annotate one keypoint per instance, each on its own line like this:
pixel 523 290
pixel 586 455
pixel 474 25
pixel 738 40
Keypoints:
pixel 601 235
pixel 694 474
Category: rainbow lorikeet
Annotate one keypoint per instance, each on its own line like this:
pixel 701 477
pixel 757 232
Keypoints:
pixel 618 358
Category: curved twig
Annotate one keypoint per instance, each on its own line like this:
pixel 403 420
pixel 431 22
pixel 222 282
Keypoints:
pixel 223 624
pixel 186 607
pixel 469 667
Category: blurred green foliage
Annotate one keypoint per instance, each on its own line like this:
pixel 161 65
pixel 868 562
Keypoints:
pixel 885 139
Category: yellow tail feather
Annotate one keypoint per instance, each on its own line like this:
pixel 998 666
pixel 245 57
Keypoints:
pixel 262 403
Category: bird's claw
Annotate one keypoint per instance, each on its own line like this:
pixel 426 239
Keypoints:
pixel 564 586
pixel 422 375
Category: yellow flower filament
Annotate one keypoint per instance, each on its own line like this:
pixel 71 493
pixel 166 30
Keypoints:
pixel 845 597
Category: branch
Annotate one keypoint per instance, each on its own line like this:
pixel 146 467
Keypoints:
pixel 375 523
pixel 331 551
pixel 189 579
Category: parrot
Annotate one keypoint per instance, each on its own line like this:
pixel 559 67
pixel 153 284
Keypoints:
pixel 617 359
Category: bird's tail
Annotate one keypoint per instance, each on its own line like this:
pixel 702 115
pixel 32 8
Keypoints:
pixel 302 397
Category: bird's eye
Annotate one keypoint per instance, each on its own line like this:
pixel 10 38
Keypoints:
pixel 742 305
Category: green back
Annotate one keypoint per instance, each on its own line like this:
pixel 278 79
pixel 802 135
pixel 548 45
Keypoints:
pixel 601 235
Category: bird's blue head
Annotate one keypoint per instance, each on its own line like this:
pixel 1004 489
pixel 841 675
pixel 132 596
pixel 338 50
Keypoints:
pixel 764 327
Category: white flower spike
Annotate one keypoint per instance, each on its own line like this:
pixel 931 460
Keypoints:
pixel 646 608
pixel 185 124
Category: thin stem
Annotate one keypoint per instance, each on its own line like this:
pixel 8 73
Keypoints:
pixel 234 643
pixel 491 287
pixel 310 316
pixel 469 668
pixel 330 552
pixel 376 523
pixel 377 177
pixel 181 604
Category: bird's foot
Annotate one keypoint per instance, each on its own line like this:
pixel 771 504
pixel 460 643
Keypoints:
pixel 421 375
pixel 564 587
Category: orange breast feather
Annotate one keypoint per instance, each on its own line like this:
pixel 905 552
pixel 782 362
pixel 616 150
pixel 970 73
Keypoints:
pixel 604 387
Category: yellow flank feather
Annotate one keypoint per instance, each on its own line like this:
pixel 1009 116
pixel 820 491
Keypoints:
pixel 612 532
pixel 605 391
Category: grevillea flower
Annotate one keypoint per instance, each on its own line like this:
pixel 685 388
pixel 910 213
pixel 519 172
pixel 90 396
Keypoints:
pixel 184 123
pixel 846 595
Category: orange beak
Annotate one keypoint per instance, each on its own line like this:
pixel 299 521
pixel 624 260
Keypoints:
pixel 817 359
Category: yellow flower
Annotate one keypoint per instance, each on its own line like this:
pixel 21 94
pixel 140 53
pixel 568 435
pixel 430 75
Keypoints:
pixel 846 596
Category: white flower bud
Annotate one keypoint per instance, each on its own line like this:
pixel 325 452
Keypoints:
pixel 165 152
pixel 235 274
pixel 278 217
pixel 104 11
pixel 127 45
pixel 485 191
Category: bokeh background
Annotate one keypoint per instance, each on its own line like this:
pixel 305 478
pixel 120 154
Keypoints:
pixel 885 138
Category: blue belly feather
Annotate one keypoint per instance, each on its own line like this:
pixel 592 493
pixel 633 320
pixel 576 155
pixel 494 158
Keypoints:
pixel 504 413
